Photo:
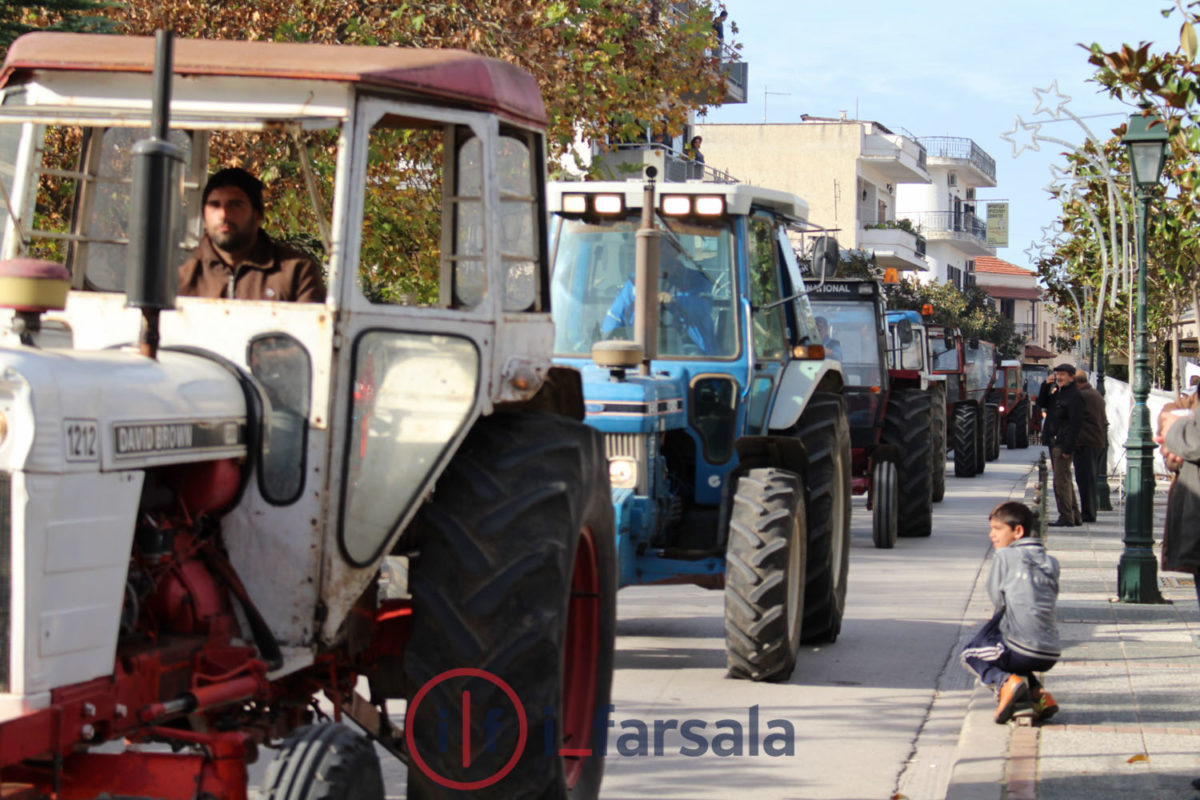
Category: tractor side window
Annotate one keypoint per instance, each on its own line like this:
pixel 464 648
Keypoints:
pixel 404 243
pixel 522 231
pixel 413 393
pixel 805 320
pixel 283 367
pixel 714 411
pixel 769 337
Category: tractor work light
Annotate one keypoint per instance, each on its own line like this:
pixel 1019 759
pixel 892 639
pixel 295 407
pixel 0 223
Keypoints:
pixel 609 204
pixel 676 205
pixel 622 473
pixel 574 203
pixel 927 310
pixel 710 206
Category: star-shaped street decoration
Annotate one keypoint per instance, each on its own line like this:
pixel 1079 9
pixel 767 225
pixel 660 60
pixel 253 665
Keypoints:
pixel 1018 139
pixel 1033 253
pixel 1042 108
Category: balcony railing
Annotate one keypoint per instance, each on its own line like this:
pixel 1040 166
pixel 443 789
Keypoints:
pixel 960 148
pixel 948 222
pixel 629 160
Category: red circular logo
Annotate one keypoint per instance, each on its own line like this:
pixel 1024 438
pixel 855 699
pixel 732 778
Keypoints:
pixel 469 672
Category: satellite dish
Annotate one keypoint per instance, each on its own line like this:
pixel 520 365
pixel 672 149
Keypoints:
pixel 826 257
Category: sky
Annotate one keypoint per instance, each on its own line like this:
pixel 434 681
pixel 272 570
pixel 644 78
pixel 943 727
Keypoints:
pixel 937 68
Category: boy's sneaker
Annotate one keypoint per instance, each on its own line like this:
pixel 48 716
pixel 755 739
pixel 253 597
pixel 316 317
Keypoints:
pixel 1044 705
pixel 1013 692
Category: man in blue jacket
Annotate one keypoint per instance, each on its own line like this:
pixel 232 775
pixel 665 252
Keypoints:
pixel 685 303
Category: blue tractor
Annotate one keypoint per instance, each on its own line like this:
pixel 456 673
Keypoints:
pixel 684 307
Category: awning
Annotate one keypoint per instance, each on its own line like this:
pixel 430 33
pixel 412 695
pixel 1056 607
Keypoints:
pixel 1012 292
pixel 1035 351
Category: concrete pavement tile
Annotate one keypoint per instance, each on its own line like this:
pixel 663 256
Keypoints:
pixel 1076 764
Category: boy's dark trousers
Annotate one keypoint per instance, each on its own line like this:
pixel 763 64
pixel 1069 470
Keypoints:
pixel 988 657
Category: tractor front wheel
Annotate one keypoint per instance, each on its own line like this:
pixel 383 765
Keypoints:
pixel 324 762
pixel 968 457
pixel 765 575
pixel 991 431
pixel 513 581
pixel 885 504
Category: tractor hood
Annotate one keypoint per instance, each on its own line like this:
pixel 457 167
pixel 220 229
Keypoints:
pixel 80 411
pixel 636 404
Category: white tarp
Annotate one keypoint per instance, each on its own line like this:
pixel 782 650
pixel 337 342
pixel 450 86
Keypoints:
pixel 1118 397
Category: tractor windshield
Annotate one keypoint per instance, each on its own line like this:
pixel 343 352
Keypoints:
pixel 850 332
pixel 593 289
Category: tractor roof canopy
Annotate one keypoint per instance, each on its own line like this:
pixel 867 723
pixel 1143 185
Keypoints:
pixel 452 77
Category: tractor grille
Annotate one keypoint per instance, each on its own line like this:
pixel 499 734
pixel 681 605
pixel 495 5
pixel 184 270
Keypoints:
pixel 5 575
pixel 630 445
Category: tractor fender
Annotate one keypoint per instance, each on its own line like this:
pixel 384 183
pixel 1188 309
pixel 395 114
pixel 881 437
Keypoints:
pixel 560 393
pixel 799 381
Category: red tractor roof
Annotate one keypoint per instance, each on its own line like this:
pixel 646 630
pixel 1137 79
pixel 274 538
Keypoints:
pixel 451 76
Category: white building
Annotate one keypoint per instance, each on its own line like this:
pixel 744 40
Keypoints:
pixel 847 170
pixel 944 207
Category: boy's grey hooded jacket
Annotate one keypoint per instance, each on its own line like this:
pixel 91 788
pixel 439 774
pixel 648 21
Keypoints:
pixel 1023 583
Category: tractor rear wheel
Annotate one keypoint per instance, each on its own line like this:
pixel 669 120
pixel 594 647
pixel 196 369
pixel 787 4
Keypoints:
pixel 1021 415
pixel 825 432
pixel 991 431
pixel 765 575
pixel 513 581
pixel 938 450
pixel 967 455
pixel 324 762
pixel 906 425
pixel 885 503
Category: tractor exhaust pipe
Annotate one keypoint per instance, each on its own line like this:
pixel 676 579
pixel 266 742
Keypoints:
pixel 645 278
pixel 156 205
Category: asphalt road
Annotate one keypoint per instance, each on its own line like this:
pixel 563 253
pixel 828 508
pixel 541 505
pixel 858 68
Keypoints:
pixel 877 712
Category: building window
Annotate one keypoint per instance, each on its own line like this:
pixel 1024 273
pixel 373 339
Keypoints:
pixel 1008 308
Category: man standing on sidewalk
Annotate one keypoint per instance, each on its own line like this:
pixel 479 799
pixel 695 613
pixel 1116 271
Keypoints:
pixel 1067 417
pixel 1089 446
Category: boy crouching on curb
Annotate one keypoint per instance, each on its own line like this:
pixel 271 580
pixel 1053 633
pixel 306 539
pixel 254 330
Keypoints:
pixel 1022 636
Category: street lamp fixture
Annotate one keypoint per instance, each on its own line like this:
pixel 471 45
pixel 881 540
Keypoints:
pixel 1137 571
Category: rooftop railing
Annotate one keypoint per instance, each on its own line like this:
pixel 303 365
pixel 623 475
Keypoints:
pixel 948 222
pixel 960 148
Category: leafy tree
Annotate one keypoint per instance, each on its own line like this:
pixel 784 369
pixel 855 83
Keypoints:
pixel 21 16
pixel 971 312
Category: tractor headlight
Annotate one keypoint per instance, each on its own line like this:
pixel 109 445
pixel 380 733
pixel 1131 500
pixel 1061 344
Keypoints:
pixel 622 473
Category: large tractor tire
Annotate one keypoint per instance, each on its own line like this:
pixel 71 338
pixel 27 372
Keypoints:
pixel 937 452
pixel 514 583
pixel 765 573
pixel 906 425
pixel 967 452
pixel 324 762
pixel 885 503
pixel 991 431
pixel 825 432
pixel 1021 415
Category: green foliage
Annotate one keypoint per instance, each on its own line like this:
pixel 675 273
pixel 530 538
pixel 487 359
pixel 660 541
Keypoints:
pixel 21 16
pixel 971 312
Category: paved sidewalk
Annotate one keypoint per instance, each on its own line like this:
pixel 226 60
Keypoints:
pixel 1128 687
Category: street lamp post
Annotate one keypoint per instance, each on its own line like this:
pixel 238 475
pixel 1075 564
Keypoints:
pixel 1137 571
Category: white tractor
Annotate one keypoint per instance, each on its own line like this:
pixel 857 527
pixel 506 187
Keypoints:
pixel 215 511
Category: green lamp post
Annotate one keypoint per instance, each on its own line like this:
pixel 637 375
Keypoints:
pixel 1137 571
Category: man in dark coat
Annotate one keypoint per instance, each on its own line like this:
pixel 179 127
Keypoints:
pixel 236 258
pixel 1089 446
pixel 1045 400
pixel 1066 417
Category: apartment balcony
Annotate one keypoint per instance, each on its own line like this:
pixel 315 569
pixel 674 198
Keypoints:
pixel 897 158
pixel 737 77
pixel 967 231
pixel 894 247
pixel 973 165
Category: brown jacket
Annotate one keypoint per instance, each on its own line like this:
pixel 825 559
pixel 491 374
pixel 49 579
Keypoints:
pixel 1094 430
pixel 272 272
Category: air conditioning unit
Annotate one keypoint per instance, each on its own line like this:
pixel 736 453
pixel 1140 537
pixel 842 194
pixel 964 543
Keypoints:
pixel 952 179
